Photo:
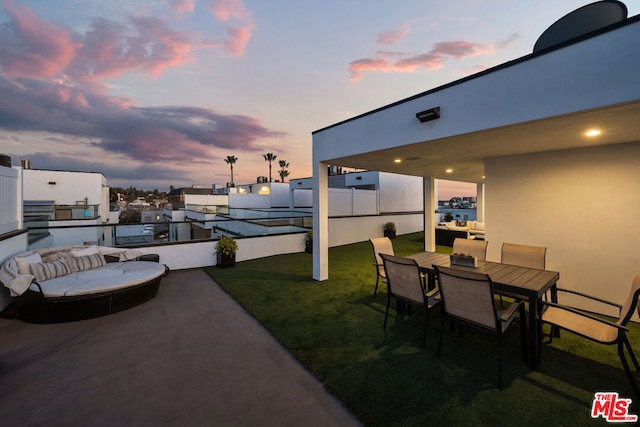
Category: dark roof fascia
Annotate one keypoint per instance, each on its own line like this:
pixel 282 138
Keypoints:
pixel 59 170
pixel 480 74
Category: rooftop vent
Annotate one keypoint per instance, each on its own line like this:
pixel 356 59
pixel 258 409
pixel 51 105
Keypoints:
pixel 582 21
pixel 5 160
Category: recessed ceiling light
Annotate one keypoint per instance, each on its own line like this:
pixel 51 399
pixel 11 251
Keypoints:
pixel 397 161
pixel 449 170
pixel 593 132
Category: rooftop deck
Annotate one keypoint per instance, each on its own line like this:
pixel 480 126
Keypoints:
pixel 191 356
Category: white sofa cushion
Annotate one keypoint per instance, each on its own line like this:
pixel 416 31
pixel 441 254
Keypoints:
pixel 110 277
pixel 91 250
pixel 24 262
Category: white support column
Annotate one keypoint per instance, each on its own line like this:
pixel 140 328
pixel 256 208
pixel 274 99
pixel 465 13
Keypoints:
pixel 428 196
pixel 20 201
pixel 480 203
pixel 320 221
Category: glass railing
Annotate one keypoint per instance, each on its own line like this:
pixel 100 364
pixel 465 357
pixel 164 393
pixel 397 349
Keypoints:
pixel 203 209
pixel 37 227
pixel 61 212
pixel 167 232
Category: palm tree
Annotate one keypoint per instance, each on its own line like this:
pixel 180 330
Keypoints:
pixel 230 160
pixel 283 174
pixel 269 157
pixel 283 169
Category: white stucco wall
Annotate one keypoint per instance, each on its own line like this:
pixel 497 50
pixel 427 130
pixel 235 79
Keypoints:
pixel 69 187
pixel 581 204
pixel 202 254
pixel 400 193
pixel 343 231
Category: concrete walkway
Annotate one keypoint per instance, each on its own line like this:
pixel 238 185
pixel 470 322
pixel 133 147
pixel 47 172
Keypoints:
pixel 189 357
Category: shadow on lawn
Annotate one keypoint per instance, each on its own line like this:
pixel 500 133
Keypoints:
pixel 584 374
pixel 411 385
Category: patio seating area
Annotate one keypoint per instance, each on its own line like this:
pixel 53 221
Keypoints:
pixel 192 355
pixel 385 376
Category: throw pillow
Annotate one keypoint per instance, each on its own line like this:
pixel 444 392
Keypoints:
pixel 86 251
pixel 24 262
pixel 86 262
pixel 49 270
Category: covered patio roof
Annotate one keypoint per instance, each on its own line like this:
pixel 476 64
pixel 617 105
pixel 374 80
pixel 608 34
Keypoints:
pixel 543 102
pixel 465 154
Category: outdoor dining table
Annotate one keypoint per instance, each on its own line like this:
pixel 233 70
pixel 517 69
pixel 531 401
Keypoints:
pixel 528 283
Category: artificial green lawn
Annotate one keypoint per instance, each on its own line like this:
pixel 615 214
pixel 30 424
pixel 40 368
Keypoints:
pixel 383 377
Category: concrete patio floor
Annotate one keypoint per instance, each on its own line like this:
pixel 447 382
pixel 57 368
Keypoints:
pixel 189 357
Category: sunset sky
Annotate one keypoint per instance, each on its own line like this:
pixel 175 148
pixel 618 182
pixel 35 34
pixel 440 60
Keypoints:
pixel 155 93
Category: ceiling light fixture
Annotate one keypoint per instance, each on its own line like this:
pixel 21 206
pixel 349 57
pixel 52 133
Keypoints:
pixel 593 132
pixel 430 114
pixel 397 161
pixel 449 171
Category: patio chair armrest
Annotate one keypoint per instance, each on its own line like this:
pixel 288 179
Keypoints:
pixel 506 314
pixel 583 314
pixel 591 297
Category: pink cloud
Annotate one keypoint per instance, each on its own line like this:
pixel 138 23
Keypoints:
pixel 238 40
pixel 357 68
pixel 238 35
pixel 462 49
pixel 54 82
pixel 111 50
pixel 227 9
pixel 393 36
pixel 32 46
pixel 387 61
pixel 429 61
pixel 116 126
pixel 183 6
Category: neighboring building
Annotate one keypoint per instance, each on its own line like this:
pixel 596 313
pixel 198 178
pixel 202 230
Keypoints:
pixel 177 195
pixel 67 195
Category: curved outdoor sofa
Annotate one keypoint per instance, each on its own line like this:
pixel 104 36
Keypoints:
pixel 71 283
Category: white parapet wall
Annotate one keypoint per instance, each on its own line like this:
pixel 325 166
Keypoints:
pixel 9 247
pixel 10 208
pixel 202 254
pixel 343 231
